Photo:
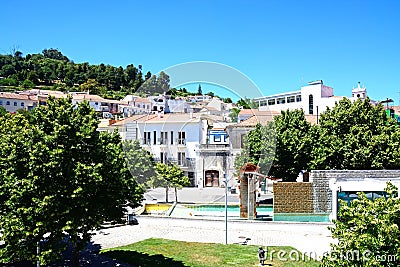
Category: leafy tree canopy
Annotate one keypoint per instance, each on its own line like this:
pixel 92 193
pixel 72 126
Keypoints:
pixel 173 176
pixel 367 232
pixel 356 135
pixel 59 177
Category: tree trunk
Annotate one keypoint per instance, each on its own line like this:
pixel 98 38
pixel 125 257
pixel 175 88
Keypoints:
pixel 176 195
pixel 166 194
pixel 75 254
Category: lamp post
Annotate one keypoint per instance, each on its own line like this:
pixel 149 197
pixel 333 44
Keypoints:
pixel 226 208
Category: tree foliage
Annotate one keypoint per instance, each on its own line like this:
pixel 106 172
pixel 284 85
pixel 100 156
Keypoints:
pixel 59 177
pixel 259 148
pixel 3 111
pixel 356 135
pixel 173 176
pixel 293 145
pixel 367 232
pixel 51 68
pixel 139 162
pixel 352 135
pixel 247 103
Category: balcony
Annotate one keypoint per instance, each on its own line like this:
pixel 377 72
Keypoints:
pixel 214 147
pixel 183 163
pixel 180 141
pixel 145 141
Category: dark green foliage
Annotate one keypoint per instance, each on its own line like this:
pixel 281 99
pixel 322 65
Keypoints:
pixel 293 145
pixel 259 148
pixel 356 135
pixel 367 232
pixel 58 177
pixel 3 111
pixel 53 68
pixel 353 135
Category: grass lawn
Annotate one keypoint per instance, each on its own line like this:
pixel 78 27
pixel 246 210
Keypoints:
pixel 171 253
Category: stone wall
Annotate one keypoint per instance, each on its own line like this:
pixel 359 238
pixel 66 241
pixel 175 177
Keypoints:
pixel 293 197
pixel 322 192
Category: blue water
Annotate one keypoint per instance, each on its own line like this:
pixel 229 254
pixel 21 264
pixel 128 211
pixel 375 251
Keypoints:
pixel 233 211
pixel 219 210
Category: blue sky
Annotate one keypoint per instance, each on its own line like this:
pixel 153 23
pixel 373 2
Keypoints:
pixel 279 45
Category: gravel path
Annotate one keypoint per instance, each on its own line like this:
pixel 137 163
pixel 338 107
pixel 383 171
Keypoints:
pixel 310 238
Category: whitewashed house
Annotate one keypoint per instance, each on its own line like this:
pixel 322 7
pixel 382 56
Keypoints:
pixel 13 101
pixel 184 139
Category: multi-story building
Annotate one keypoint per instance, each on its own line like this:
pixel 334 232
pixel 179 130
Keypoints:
pixel 313 99
pixel 186 139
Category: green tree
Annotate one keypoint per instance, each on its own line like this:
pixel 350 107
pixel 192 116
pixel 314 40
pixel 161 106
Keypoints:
pixel 59 177
pixel 27 84
pixel 367 232
pixel 173 177
pixel 199 91
pixel 259 148
pixel 54 54
pixel 356 135
pixel 3 111
pixel 91 86
pixel 293 145
pixel 247 103
pixel 233 115
pixel 140 162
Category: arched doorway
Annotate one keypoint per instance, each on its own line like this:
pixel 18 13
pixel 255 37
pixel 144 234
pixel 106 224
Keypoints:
pixel 212 178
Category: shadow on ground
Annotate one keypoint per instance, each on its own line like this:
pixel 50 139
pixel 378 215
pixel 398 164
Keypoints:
pixel 142 259
pixel 88 257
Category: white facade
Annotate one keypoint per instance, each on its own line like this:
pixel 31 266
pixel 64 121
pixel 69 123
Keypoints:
pixel 183 139
pixel 12 101
pixel 313 99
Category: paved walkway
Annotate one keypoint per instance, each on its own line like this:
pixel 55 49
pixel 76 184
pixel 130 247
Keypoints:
pixel 195 195
pixel 310 238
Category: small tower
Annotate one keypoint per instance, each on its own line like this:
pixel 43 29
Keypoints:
pixel 359 92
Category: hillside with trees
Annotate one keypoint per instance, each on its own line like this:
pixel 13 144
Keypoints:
pixel 53 70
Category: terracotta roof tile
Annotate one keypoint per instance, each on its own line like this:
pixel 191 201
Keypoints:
pixel 5 95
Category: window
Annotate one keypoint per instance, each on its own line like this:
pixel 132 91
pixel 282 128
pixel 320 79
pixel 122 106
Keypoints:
pixel 217 138
pixel 181 138
pixel 8 103
pixel 1 102
pixel 172 137
pixel 263 103
pixel 271 102
pixel 290 99
pixel 163 157
pixel 280 100
pixel 164 138
pixel 146 139
pixel 154 137
pixel 310 104
pixel 15 104
pixel 181 158
pixel 298 98
pixel 22 104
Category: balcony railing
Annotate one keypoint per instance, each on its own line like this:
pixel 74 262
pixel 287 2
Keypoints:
pixel 181 141
pixel 186 162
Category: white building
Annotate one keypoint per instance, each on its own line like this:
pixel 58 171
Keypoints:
pixel 186 139
pixel 12 101
pixel 313 98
